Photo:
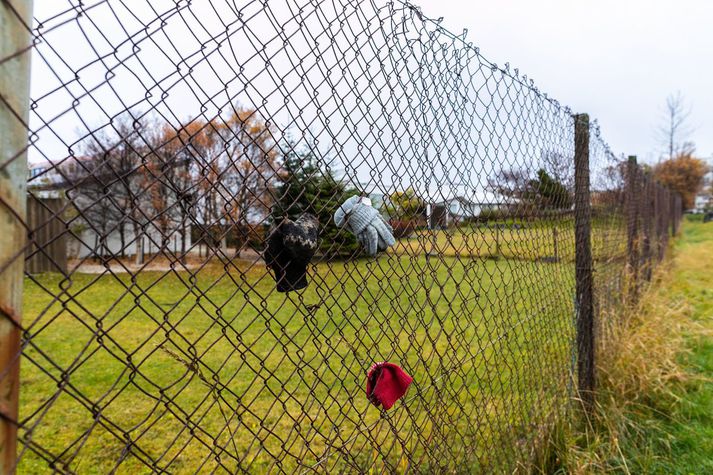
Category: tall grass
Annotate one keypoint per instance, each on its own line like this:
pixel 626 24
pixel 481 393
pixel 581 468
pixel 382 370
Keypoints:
pixel 645 376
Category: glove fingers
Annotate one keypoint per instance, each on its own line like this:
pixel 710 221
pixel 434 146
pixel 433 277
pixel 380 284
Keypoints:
pixel 363 239
pixel 384 245
pixel 372 232
pixel 386 224
pixel 341 214
pixel 372 240
pixel 360 217
pixel 385 232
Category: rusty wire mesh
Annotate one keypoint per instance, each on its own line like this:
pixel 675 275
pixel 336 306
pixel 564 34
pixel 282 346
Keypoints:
pixel 633 217
pixel 167 139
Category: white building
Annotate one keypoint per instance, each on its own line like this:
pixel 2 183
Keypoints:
pixel 702 203
pixel 84 239
pixel 704 199
pixel 458 209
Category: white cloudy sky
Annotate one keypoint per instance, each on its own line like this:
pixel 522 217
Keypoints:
pixel 615 59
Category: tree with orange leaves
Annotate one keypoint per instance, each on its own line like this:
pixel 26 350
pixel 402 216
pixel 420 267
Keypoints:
pixel 155 179
pixel 249 171
pixel 175 186
pixel 220 177
pixel 684 174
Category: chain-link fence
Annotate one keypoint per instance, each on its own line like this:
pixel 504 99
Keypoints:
pixel 177 312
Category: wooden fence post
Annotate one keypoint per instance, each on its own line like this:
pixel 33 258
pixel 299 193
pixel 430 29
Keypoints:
pixel 14 115
pixel 660 222
pixel 664 222
pixel 583 262
pixel 632 225
pixel 48 249
pixel 671 227
pixel 648 224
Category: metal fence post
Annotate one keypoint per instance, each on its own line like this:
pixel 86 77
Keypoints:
pixel 15 16
pixel 583 258
pixel 632 225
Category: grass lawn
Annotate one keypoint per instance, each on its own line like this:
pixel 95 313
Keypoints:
pixel 214 370
pixel 530 240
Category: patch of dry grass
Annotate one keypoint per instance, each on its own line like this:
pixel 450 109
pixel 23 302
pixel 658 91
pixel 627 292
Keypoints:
pixel 644 371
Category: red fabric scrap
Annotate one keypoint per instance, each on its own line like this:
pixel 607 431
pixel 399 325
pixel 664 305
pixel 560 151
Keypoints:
pixel 386 383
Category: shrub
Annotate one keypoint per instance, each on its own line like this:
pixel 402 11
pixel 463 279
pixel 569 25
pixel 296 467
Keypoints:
pixel 491 214
pixel 404 228
pixel 308 185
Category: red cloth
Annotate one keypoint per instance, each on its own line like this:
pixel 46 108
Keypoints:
pixel 386 383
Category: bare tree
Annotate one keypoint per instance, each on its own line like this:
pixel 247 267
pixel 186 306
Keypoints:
pixel 235 172
pixel 547 187
pixel 107 187
pixel 156 179
pixel 675 131
pixel 102 185
pixel 127 162
pixel 91 186
pixel 559 165
pixel 181 151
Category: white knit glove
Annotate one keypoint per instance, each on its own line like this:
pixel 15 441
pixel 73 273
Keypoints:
pixel 366 223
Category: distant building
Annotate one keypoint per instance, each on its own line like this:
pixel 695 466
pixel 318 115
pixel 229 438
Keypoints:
pixel 457 210
pixel 702 203
pixel 704 200
pixel 104 233
pixel 378 199
pixel 44 181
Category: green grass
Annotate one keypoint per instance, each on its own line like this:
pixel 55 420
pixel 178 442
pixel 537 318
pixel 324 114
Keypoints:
pixel 681 440
pixel 521 239
pixel 655 412
pixel 181 366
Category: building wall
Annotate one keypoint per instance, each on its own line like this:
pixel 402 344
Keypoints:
pixel 90 245
pixel 703 201
pixel 459 210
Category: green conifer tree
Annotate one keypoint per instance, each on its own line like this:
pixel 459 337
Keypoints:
pixel 307 185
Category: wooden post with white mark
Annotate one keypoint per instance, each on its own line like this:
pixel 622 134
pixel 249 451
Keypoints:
pixel 15 40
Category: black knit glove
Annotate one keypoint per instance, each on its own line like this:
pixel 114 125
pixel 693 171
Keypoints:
pixel 290 249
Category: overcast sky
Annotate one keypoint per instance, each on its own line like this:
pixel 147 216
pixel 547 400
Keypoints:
pixel 616 60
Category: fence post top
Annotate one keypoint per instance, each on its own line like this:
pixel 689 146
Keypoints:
pixel 632 159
